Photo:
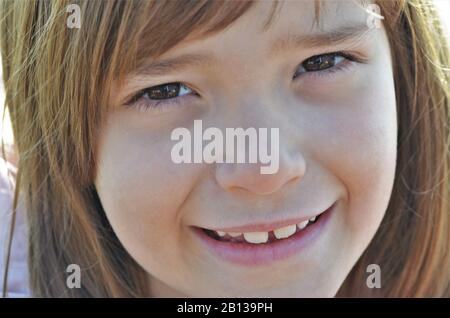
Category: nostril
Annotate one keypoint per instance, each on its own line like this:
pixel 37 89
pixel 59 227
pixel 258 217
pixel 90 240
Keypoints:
pixel 249 178
pixel 294 180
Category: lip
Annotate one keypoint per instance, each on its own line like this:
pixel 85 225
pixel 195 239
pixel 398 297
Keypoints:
pixel 247 254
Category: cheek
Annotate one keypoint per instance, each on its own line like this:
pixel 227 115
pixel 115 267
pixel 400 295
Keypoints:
pixel 359 144
pixel 141 190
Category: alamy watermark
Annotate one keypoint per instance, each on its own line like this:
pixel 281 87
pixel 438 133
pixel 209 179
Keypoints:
pixel 241 145
pixel 74 278
pixel 373 20
pixel 74 19
pixel 374 16
pixel 374 279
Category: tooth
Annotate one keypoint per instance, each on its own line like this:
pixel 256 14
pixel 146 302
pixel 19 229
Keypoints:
pixel 220 233
pixel 312 219
pixel 285 232
pixel 302 225
pixel 256 237
pixel 234 234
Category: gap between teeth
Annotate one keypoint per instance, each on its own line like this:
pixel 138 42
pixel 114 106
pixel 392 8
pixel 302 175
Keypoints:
pixel 262 237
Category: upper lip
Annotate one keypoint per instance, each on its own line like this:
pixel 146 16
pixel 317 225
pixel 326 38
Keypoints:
pixel 267 227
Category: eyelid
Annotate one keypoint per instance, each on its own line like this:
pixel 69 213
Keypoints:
pixel 347 55
pixel 350 58
pixel 158 105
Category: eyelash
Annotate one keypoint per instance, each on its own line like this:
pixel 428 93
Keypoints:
pixel 348 60
pixel 144 104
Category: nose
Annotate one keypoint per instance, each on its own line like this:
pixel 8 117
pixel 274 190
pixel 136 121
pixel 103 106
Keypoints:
pixel 248 176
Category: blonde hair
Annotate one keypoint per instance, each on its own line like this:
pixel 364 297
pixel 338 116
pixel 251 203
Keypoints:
pixel 57 83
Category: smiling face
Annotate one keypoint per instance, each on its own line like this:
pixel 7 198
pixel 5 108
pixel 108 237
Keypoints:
pixel 336 115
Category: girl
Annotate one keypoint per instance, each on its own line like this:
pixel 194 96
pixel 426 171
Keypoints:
pixel 358 90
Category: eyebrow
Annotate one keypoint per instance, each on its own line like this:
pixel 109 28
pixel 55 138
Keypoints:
pixel 335 37
pixel 290 42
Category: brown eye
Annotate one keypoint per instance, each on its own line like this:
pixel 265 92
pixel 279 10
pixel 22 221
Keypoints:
pixel 164 91
pixel 164 95
pixel 324 63
pixel 320 62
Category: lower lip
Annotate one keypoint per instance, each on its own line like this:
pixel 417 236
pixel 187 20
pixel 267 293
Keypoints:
pixel 262 254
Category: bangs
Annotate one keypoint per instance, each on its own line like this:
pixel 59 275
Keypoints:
pixel 144 30
pixel 147 29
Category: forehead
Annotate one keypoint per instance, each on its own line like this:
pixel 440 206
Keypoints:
pixel 290 17
pixel 259 30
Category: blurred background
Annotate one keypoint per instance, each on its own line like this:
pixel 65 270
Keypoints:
pixel 443 7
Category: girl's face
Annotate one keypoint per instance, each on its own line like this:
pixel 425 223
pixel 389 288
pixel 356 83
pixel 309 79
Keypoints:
pixel 336 115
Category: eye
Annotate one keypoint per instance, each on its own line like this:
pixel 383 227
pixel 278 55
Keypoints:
pixel 324 63
pixel 161 97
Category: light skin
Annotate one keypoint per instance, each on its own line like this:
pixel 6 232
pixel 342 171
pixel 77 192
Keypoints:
pixel 338 132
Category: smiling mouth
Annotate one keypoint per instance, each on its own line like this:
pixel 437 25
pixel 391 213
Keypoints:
pixel 269 237
pixel 263 244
